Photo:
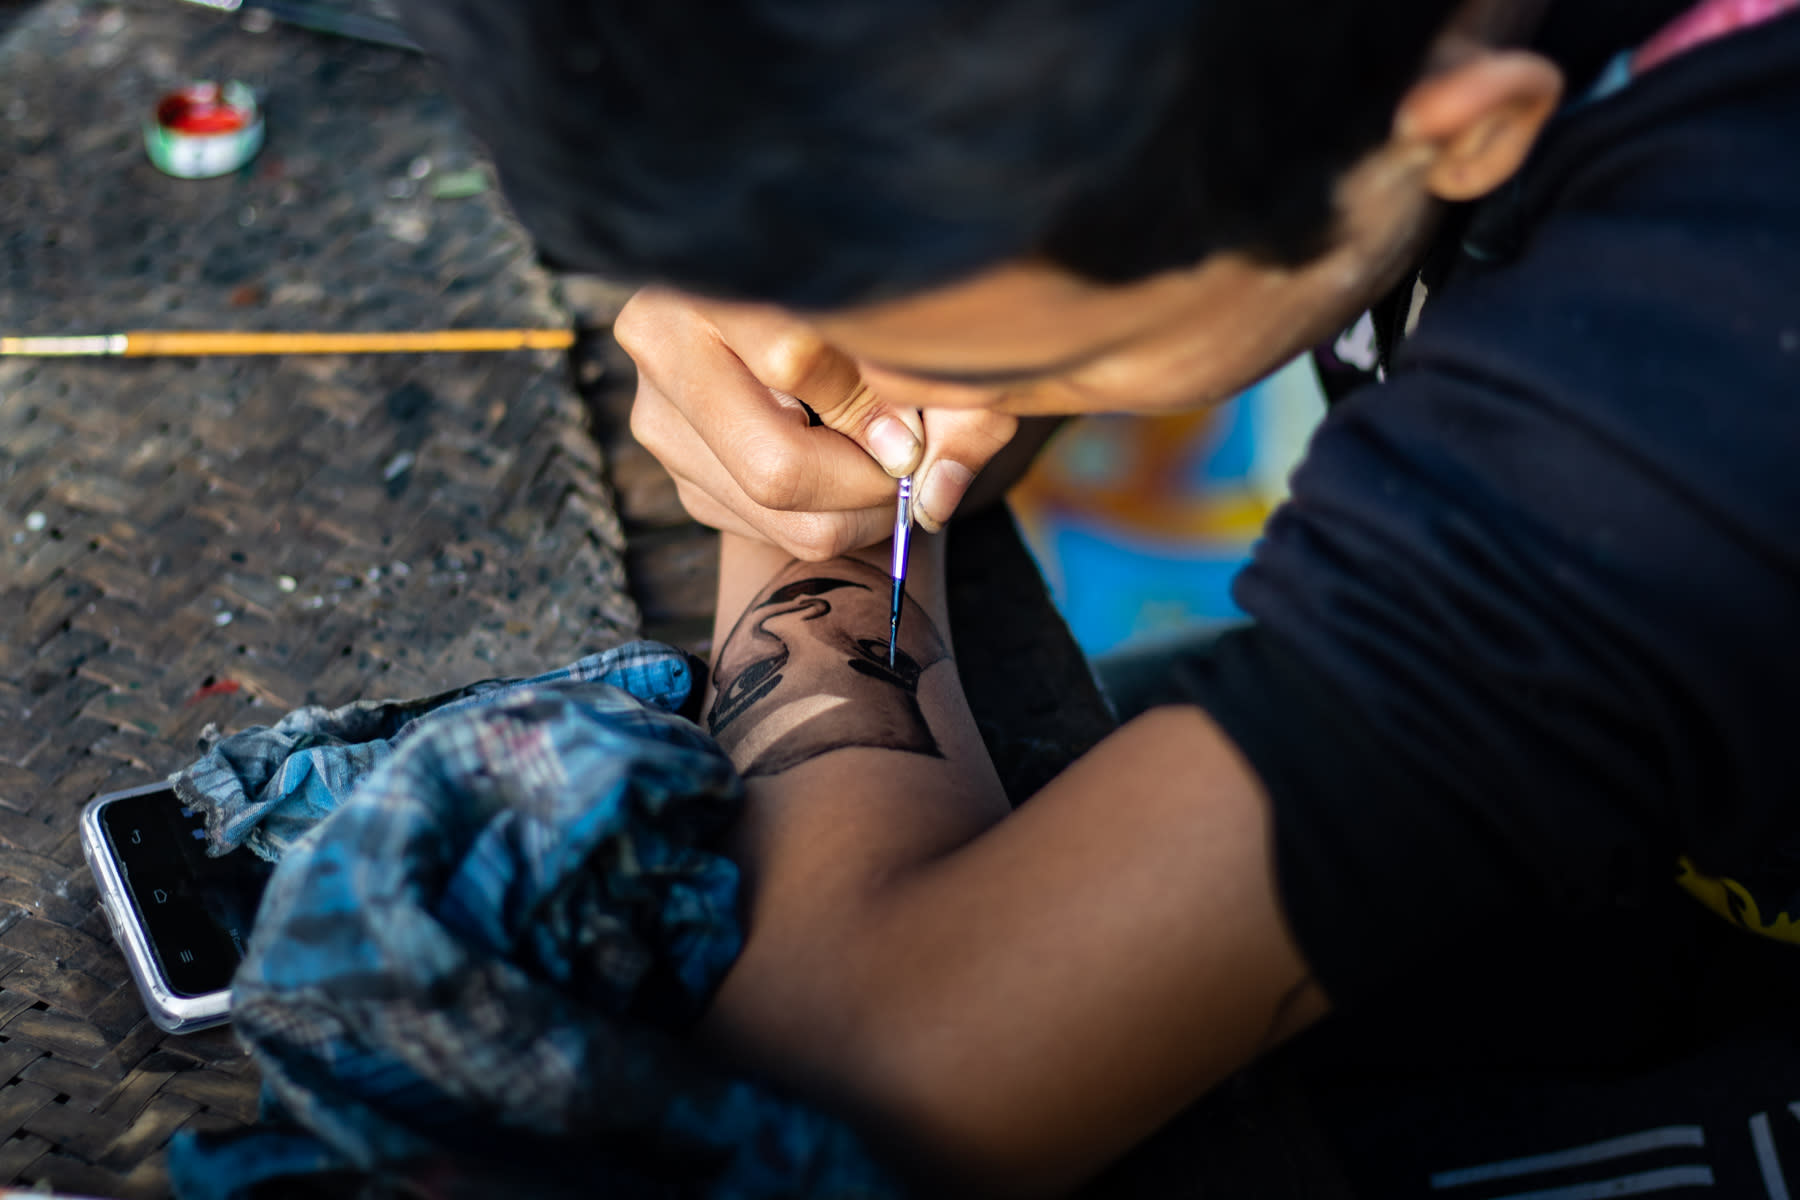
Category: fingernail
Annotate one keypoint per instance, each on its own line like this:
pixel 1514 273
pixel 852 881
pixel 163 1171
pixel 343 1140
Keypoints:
pixel 941 492
pixel 893 445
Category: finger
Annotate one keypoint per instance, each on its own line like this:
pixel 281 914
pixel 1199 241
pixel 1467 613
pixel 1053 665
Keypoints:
pixel 709 512
pixel 959 443
pixel 713 497
pixel 704 488
pixel 789 355
pixel 759 434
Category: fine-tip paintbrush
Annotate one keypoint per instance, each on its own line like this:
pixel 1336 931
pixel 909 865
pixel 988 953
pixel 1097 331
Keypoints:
pixel 902 543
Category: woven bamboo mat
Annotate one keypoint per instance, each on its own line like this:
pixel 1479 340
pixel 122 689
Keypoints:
pixel 194 542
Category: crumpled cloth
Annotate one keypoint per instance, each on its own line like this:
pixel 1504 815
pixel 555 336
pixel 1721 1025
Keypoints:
pixel 475 972
pixel 265 786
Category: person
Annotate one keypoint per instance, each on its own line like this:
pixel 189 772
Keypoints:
pixel 1520 683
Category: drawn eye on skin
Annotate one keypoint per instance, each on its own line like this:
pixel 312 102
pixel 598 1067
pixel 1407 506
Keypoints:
pixel 804 671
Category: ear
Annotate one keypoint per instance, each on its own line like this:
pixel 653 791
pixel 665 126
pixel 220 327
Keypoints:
pixel 1478 118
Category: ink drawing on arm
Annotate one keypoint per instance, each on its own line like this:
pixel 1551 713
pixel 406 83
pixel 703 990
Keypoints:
pixel 804 671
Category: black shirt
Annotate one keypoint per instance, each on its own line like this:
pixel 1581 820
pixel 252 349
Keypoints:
pixel 1527 634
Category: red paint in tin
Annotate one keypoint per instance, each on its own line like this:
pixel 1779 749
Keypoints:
pixel 200 110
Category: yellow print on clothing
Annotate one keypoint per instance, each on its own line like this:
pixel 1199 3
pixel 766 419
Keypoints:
pixel 1733 901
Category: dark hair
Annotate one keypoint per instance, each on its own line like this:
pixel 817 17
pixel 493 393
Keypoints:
pixel 819 153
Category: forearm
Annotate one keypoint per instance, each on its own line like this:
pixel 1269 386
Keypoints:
pixel 821 723
pixel 853 776
pixel 1016 998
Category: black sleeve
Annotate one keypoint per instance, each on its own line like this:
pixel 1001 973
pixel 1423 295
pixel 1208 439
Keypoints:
pixel 1529 628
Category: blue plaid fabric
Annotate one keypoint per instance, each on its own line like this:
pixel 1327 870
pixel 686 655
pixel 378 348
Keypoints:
pixel 263 787
pixel 478 972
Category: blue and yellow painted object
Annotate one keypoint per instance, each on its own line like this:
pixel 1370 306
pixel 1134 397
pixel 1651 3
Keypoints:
pixel 1140 523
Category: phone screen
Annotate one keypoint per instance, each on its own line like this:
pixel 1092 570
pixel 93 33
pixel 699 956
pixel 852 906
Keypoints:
pixel 196 910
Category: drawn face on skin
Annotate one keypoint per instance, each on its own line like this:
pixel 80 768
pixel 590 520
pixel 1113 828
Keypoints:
pixel 805 671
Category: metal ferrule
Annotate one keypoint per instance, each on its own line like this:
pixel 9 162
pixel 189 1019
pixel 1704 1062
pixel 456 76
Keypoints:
pixel 63 347
pixel 902 527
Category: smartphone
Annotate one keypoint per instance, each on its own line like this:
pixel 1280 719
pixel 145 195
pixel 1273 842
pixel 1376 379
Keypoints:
pixel 181 917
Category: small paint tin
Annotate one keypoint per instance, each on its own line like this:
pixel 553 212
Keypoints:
pixel 204 130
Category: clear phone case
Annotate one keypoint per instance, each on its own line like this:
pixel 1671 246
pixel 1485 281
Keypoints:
pixel 168 1009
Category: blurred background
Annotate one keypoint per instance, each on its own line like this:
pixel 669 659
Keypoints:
pixel 1140 523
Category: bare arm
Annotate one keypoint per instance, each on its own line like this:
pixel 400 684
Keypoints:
pixel 1015 998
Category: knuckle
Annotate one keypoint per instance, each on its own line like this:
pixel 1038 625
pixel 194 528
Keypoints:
pixel 770 480
pixel 631 328
pixel 646 420
pixel 814 537
pixel 857 412
pixel 994 433
pixel 790 359
pixel 700 507
pixel 976 435
pixel 657 325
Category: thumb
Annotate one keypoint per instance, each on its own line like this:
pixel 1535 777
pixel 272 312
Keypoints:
pixel 794 362
pixel 893 437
